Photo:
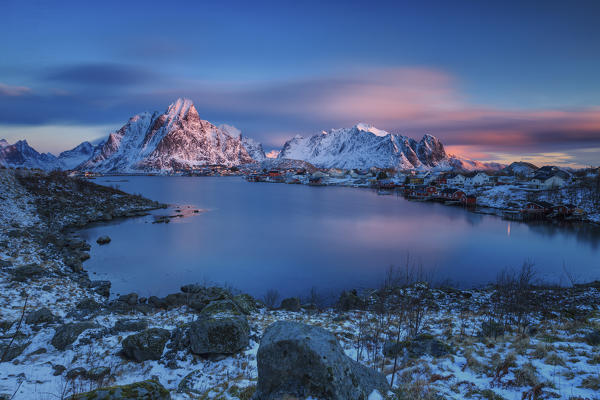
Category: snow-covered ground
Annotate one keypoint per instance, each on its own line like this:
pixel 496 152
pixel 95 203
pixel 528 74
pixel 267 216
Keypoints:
pixel 550 359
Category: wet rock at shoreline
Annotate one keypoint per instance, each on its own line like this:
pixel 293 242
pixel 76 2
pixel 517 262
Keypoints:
pixel 146 345
pixel 131 298
pixel 102 240
pixel 101 287
pixel 297 361
pixel 66 334
pixel 150 389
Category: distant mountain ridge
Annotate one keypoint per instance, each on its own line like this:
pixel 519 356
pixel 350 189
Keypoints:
pixel 178 139
pixel 363 146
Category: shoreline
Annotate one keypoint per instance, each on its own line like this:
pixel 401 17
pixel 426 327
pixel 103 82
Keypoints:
pixel 235 376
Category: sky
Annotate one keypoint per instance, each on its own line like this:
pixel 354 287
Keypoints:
pixel 494 80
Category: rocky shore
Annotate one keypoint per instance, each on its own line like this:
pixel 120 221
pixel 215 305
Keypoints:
pixel 61 336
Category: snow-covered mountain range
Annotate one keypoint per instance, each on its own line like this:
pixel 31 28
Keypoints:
pixel 364 146
pixel 179 139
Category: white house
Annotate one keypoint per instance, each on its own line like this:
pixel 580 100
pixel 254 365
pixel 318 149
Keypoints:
pixel 554 182
pixel 547 182
pixel 479 179
pixel 455 180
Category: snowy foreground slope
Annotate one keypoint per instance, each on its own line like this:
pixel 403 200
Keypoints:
pixel 364 146
pixel 72 336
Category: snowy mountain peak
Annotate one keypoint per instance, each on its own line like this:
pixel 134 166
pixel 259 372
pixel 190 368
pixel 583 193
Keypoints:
pixel 3 143
pixel 364 146
pixel 176 139
pixel 370 128
pixel 181 108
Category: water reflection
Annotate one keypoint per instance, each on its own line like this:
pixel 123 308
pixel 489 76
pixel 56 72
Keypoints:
pixel 260 236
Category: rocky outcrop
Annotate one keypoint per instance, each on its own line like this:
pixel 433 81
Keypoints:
pixel 418 347
pixel 146 390
pixel 41 316
pixel 298 361
pixel 146 345
pixel 66 334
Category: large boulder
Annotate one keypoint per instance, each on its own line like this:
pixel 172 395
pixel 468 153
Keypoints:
pixel 146 345
pixel 67 334
pixel 297 361
pixel 145 390
pixel 218 335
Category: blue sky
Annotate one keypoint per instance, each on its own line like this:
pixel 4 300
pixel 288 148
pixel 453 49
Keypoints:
pixel 493 80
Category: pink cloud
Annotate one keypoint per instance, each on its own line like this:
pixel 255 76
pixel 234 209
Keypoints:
pixel 9 90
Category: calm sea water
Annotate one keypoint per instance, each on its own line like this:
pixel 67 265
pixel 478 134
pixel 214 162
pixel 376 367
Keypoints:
pixel 259 236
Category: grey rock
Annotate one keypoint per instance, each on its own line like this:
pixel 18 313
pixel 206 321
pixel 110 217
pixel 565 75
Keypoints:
pixel 145 390
pixel 146 345
pixel 130 325
pixel 11 351
pixel 291 304
pixel 28 272
pixel 298 361
pixel 76 373
pixel 131 299
pixel 102 240
pixel 58 369
pixel 218 334
pixel 246 303
pixel 66 334
pixel 418 347
pixel 101 287
pixel 221 307
pixel 41 316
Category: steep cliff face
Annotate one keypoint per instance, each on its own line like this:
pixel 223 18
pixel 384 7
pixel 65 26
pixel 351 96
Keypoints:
pixel 175 139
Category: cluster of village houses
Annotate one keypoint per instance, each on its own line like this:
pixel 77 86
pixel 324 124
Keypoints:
pixel 447 187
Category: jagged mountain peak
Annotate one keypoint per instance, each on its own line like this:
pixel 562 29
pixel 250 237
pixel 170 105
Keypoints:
pixel 173 140
pixel 365 146
pixel 182 108
pixel 3 143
